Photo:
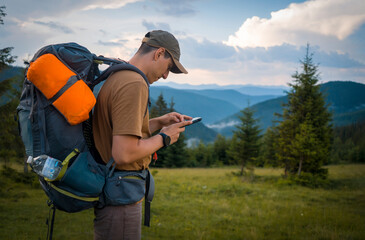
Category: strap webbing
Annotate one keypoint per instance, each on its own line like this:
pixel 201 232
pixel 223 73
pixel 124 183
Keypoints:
pixel 150 191
pixel 71 81
pixel 50 225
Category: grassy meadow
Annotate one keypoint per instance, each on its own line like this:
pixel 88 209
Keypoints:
pixel 211 203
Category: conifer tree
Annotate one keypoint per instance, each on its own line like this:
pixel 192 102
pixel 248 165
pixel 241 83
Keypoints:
pixel 5 54
pixel 160 108
pixel 269 151
pixel 305 131
pixel 248 135
pixel 221 144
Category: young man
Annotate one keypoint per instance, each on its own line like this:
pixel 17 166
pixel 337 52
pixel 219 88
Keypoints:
pixel 122 128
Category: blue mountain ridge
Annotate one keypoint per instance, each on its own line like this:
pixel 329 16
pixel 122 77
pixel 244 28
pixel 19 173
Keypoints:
pixel 345 99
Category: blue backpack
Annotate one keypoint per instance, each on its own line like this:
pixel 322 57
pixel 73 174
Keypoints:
pixel 55 119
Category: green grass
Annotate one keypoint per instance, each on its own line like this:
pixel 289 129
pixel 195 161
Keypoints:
pixel 213 204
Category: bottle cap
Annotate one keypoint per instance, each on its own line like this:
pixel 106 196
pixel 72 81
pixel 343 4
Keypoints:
pixel 30 160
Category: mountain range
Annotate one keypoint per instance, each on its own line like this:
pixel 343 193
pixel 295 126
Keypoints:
pixel 211 104
pixel 346 101
pixel 253 90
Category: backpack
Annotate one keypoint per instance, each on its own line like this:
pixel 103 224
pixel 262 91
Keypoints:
pixel 55 119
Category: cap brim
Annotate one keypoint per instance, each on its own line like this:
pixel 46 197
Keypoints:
pixel 178 67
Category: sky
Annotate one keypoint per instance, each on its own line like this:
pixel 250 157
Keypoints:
pixel 257 42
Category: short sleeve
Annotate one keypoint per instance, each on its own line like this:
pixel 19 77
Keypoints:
pixel 128 108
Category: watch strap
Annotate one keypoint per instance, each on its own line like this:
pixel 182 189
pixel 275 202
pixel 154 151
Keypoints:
pixel 164 136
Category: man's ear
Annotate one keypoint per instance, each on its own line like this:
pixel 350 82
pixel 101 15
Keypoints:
pixel 158 53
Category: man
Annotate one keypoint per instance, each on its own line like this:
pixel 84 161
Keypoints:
pixel 122 128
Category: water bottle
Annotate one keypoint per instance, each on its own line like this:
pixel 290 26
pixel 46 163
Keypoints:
pixel 46 166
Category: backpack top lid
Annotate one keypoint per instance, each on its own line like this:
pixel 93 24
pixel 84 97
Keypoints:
pixel 74 56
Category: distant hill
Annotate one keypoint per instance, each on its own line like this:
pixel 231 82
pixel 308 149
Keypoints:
pixel 346 101
pixel 195 105
pixel 11 72
pixel 344 97
pixel 262 90
pixel 252 90
pixel 17 76
pixel 211 104
pixel 200 132
pixel 232 96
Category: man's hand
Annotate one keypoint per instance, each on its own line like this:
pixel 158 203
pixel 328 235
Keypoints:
pixel 167 120
pixel 174 130
pixel 172 118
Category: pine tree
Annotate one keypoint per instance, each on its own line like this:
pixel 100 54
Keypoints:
pixel 221 144
pixel 160 108
pixel 269 151
pixel 176 154
pixel 305 131
pixel 203 155
pixel 2 14
pixel 248 135
pixel 5 54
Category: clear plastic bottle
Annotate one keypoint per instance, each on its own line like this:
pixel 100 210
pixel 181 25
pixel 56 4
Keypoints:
pixel 46 166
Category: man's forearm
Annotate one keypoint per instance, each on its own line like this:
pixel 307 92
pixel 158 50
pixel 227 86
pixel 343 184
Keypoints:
pixel 155 124
pixel 127 149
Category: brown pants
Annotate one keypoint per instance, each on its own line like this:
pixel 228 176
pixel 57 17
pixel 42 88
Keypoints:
pixel 118 222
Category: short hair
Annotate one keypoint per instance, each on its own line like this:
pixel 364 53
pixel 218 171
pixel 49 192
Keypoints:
pixel 145 48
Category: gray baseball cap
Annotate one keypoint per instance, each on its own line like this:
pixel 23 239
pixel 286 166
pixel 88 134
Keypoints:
pixel 159 38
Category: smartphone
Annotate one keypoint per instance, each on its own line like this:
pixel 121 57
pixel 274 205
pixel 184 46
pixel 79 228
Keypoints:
pixel 195 120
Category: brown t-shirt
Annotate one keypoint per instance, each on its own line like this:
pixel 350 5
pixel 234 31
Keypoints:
pixel 121 109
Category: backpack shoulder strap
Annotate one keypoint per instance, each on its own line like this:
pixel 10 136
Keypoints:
pixel 119 66
pixel 115 67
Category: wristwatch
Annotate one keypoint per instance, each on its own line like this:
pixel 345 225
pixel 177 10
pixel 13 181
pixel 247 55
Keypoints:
pixel 166 139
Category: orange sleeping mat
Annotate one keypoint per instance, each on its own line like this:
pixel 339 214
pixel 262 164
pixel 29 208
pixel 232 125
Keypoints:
pixel 49 75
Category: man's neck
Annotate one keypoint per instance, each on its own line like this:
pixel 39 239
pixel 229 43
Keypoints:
pixel 138 62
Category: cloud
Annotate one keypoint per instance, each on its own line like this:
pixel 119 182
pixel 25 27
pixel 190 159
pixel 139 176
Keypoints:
pixel 336 60
pixel 55 26
pixel 24 9
pixel 223 125
pixel 156 26
pixel 298 23
pixel 177 8
pixel 109 4
pixel 115 43
pixel 206 49
pixel 215 56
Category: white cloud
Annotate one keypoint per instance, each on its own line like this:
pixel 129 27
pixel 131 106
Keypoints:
pixel 299 23
pixel 131 42
pixel 222 125
pixel 109 4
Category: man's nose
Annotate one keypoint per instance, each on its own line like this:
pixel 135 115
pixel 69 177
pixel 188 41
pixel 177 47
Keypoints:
pixel 165 75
